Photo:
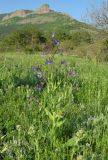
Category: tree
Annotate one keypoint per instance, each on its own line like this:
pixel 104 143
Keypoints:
pixel 99 16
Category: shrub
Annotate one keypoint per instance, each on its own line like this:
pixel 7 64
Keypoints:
pixel 105 44
pixel 81 37
pixel 67 45
pixel 28 38
pixel 103 54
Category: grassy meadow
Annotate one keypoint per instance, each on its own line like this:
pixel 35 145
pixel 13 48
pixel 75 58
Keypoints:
pixel 53 109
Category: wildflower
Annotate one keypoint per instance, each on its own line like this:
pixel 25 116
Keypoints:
pixel 30 98
pixel 49 61
pixel 55 42
pixel 39 86
pixel 53 35
pixel 35 68
pixel 40 75
pixel 62 62
pixel 71 73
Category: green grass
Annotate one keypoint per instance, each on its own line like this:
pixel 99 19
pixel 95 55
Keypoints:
pixel 66 120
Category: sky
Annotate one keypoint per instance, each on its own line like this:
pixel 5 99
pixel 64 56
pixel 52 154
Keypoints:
pixel 75 8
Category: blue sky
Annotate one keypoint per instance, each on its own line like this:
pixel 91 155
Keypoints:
pixel 76 8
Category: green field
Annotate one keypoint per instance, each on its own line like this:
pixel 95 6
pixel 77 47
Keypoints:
pixel 55 111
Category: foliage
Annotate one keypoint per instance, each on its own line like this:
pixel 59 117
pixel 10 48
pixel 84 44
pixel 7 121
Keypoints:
pixel 68 32
pixel 24 38
pixel 103 54
pixel 55 110
pixel 67 45
pixel 81 37
pixel 30 39
pixel 105 44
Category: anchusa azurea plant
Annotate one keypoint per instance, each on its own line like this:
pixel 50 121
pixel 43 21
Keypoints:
pixel 36 68
pixel 63 62
pixel 49 61
pixel 72 73
pixel 39 78
pixel 40 75
pixel 58 112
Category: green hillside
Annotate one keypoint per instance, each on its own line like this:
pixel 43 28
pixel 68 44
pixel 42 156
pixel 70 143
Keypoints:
pixel 75 37
pixel 49 21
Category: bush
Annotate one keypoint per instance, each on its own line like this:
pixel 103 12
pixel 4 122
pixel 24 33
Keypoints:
pixel 29 38
pixel 67 45
pixel 105 44
pixel 63 35
pixel 103 54
pixel 29 50
pixel 74 38
pixel 81 37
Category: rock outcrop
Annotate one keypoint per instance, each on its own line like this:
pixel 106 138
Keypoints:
pixel 18 13
pixel 44 9
pixel 23 13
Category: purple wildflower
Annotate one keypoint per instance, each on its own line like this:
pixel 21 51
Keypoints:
pixel 39 75
pixel 39 86
pixel 71 73
pixel 49 61
pixel 55 42
pixel 35 68
pixel 62 62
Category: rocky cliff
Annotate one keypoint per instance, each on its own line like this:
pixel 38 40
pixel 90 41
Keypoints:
pixel 18 13
pixel 23 13
pixel 43 9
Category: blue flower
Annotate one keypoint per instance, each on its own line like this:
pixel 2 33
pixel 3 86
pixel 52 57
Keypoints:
pixel 62 62
pixel 49 61
pixel 39 86
pixel 55 42
pixel 35 68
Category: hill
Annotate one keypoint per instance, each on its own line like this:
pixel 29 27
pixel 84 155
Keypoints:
pixel 43 18
pixel 48 21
